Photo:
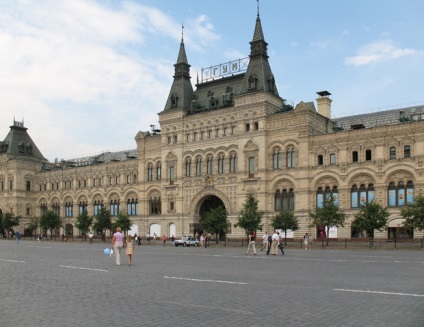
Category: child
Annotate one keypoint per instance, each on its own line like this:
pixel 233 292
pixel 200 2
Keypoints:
pixel 130 248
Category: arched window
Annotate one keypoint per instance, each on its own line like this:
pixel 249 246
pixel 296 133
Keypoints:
pixel 56 208
pixel 158 171
pixel 233 163
pixel 43 208
pixel 188 168
pixel 400 194
pixel 362 195
pixel 98 205
pixel 326 195
pixel 69 209
pixel 82 207
pixel 132 207
pixel 284 200
pixel 199 166
pixel 209 167
pixel 291 158
pixel 114 207
pixel 221 164
pixel 155 205
pixel 150 172
pixel 277 159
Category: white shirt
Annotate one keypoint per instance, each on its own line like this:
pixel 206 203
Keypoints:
pixel 265 238
pixel 275 237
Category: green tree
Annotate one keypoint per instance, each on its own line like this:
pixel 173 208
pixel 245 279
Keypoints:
pixel 414 214
pixel 285 220
pixel 123 221
pixel 33 225
pixel 84 221
pixel 371 216
pixel 250 217
pixel 103 221
pixel 8 221
pixel 215 222
pixel 330 215
pixel 50 220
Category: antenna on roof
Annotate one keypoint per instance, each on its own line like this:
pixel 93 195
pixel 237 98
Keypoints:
pixel 182 32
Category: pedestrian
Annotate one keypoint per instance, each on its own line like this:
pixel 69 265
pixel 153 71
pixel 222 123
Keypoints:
pixel 269 244
pixel 139 240
pixel 251 244
pixel 148 237
pixel 154 236
pixel 164 239
pixel 135 238
pixel 117 245
pixel 173 240
pixel 306 241
pixel 202 240
pixel 91 238
pixel 280 244
pixel 274 244
pixel 130 249
pixel 40 237
pixel 264 242
pixel 17 236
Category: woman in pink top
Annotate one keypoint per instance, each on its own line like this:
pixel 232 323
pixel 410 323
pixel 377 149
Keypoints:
pixel 117 244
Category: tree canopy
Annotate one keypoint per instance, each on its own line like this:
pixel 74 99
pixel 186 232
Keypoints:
pixel 8 220
pixel 330 215
pixel 250 217
pixel 215 221
pixel 414 214
pixel 50 220
pixel 371 216
pixel 122 221
pixel 103 221
pixel 285 220
pixel 84 221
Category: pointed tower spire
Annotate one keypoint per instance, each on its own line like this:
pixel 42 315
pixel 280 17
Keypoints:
pixel 181 92
pixel 258 76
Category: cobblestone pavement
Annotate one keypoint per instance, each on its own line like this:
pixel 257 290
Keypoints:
pixel 76 284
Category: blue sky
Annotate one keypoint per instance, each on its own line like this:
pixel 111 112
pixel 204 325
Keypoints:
pixel 86 76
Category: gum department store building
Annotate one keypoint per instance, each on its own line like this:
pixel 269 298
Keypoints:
pixel 231 135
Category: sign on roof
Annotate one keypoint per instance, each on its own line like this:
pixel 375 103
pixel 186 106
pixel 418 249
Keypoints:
pixel 222 70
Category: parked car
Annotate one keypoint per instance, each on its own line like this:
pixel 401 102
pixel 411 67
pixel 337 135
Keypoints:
pixel 187 241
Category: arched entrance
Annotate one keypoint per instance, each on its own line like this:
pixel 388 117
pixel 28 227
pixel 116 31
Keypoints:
pixel 208 203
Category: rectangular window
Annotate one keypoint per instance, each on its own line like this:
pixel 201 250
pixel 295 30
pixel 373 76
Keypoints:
pixel 195 136
pixel 332 159
pixel 320 160
pixel 407 151
pixel 355 156
pixel 28 211
pixel 233 130
pixel 247 127
pixel 171 173
pixel 28 185
pixel 210 134
pixel 218 132
pixel 256 126
pixel 368 155
pixel 392 152
pixel 10 185
pixel 251 167
pixel 188 137
pixel 171 206
pixel 169 140
pixel 175 138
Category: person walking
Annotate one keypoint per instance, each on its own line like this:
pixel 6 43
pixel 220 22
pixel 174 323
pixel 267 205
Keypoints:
pixel 251 244
pixel 202 240
pixel 148 237
pixel 265 242
pixel 117 245
pixel 274 243
pixel 17 236
pixel 306 241
pixel 91 238
pixel 164 239
pixel 173 240
pixel 138 240
pixel 130 248
pixel 280 244
pixel 269 244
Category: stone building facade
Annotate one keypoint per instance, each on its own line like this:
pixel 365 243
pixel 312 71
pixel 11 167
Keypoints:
pixel 231 135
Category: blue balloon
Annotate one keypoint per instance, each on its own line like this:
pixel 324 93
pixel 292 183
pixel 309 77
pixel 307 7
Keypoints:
pixel 107 251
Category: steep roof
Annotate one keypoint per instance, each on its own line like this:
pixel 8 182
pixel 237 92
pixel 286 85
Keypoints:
pixel 19 143
pixel 381 118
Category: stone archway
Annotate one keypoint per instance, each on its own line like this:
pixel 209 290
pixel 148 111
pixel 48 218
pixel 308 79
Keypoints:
pixel 208 203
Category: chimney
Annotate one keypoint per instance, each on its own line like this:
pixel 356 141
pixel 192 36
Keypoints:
pixel 324 104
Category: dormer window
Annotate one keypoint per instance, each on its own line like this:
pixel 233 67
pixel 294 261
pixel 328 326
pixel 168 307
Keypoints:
pixel 213 102
pixel 252 83
pixel 21 147
pixel 174 100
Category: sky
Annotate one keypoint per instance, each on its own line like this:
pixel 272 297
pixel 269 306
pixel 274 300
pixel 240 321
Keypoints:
pixel 85 76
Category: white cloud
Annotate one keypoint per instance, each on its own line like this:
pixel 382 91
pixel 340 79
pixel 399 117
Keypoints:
pixel 82 74
pixel 378 51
